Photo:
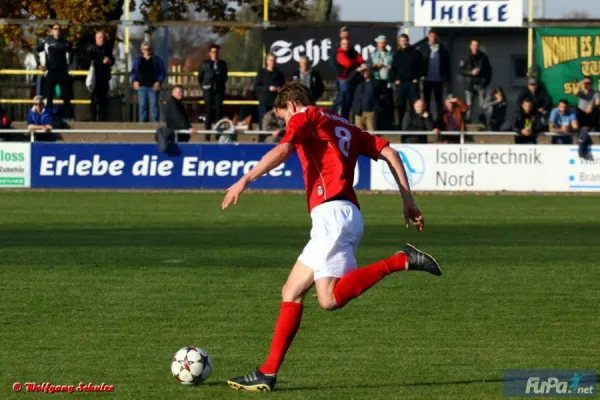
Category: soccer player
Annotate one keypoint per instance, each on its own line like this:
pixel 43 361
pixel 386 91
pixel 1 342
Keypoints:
pixel 328 147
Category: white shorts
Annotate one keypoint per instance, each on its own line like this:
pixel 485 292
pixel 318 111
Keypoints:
pixel 337 227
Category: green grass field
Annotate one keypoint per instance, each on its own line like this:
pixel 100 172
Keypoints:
pixel 105 287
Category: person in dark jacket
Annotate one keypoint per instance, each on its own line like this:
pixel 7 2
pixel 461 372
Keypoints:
pixel 542 102
pixel 148 74
pixel 177 117
pixel 366 100
pixel 436 72
pixel 350 64
pixel 309 77
pixel 495 112
pixel 477 72
pixel 406 71
pixel 101 58
pixel 269 81
pixel 55 55
pixel 212 77
pixel 417 120
pixel 527 124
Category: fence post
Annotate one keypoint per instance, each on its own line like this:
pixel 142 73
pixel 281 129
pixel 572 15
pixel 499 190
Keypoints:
pixel 462 138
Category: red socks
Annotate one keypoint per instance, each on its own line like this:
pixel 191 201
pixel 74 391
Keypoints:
pixel 347 288
pixel 285 329
pixel 356 282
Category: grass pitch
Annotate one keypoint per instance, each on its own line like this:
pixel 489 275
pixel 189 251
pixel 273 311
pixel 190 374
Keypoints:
pixel 105 287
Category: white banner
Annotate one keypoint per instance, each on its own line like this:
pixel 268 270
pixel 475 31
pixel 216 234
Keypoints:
pixel 541 168
pixel 15 165
pixel 468 13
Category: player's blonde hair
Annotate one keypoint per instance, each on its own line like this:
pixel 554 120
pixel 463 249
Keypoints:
pixel 296 93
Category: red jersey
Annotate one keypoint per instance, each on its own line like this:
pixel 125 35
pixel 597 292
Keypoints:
pixel 328 147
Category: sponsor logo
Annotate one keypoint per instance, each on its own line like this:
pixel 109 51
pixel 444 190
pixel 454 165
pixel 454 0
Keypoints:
pixel 469 12
pixel 550 383
pixel 414 164
pixel 315 50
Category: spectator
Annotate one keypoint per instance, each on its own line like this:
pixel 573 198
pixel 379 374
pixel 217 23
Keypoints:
pixel 417 120
pixel 268 82
pixel 477 71
pixel 436 71
pixel 272 123
pixel 541 100
pixel 527 124
pixel 451 119
pixel 406 72
pixel 495 112
pixel 55 54
pixel 380 61
pixel 177 117
pixel 309 77
pixel 365 102
pixel 148 74
pixel 4 124
pixel 350 63
pixel 344 34
pixel 212 77
pixel 588 106
pixel 564 121
pixel 247 113
pixel 102 59
pixel 39 118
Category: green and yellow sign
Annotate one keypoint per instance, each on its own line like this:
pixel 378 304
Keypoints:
pixel 564 57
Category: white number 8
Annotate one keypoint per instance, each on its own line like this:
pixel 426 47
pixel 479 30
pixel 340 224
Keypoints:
pixel 345 136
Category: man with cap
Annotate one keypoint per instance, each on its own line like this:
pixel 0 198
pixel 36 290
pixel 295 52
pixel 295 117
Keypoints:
pixel 380 61
pixel 539 97
pixel 436 71
pixel 588 104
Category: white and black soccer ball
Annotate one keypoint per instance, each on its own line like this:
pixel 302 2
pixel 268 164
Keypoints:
pixel 191 365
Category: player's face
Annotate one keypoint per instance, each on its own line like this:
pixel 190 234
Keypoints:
pixel 286 113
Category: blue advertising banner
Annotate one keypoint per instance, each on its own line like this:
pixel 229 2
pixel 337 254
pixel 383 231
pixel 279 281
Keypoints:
pixel 141 166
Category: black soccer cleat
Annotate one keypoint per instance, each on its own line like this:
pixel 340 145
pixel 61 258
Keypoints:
pixel 255 381
pixel 420 261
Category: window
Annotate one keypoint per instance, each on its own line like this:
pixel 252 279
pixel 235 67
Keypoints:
pixel 518 70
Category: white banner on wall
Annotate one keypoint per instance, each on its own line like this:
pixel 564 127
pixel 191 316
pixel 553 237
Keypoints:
pixel 15 165
pixel 541 168
pixel 468 13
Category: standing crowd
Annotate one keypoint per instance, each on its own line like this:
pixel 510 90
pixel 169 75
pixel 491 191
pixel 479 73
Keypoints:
pixel 397 87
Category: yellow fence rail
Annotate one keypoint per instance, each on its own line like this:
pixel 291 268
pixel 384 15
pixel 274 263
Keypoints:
pixel 237 74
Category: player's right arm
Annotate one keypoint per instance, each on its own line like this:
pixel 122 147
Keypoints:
pixel 379 149
pixel 411 211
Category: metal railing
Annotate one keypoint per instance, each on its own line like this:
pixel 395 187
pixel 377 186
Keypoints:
pixel 462 135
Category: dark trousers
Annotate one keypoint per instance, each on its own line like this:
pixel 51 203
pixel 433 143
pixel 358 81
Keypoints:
pixel 405 91
pixel 344 97
pixel 495 125
pixel 437 90
pixel 588 120
pixel 525 139
pixel 62 79
pixel 213 105
pixel 99 104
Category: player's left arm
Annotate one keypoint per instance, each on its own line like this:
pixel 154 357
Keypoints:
pixel 271 160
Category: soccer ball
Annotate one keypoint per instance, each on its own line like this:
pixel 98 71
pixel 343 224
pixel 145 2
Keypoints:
pixel 191 365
